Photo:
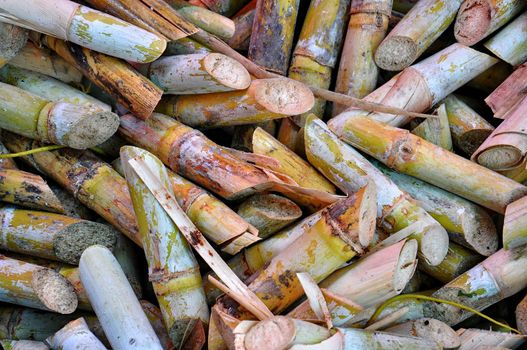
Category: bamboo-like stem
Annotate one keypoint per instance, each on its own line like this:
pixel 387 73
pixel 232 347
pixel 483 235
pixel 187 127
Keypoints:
pixel 114 301
pixel 349 170
pixel 509 93
pixel 474 339
pixel 272 34
pixel 13 40
pixel 109 74
pixel 510 44
pixel 269 213
pixel 506 147
pixel 371 340
pixel 418 29
pixel 41 60
pixel 28 190
pixel 198 74
pixel 61 123
pixel 241 38
pixel 84 26
pixel 318 46
pixel 367 282
pixel 457 261
pixel 496 278
pixel 75 335
pixel 358 73
pixel 51 236
pixel 47 87
pixel 467 127
pixel 173 269
pixel 411 155
pixel 93 182
pixel 155 317
pixel 289 162
pixel 467 223
pixel 35 286
pixel 22 345
pixel 515 224
pixel 429 328
pixel 265 99
pixel 477 19
pixel 436 130
pixel 331 241
pixel 426 83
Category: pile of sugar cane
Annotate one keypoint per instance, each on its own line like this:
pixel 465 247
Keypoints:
pixel 265 174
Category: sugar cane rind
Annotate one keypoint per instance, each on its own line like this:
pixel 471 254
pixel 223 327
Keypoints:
pixel 510 43
pixel 481 339
pixel 93 182
pixel 51 236
pixel 47 87
pixel 515 224
pixel 467 223
pixel 13 40
pixel 509 93
pixel 43 61
pixel 198 74
pixel 173 269
pixel 358 73
pixel 477 19
pixel 318 46
pixel 418 29
pixel 506 147
pixel 28 190
pixel 496 278
pixel 468 129
pixel 75 126
pixel 75 335
pixel 265 99
pixel 350 171
pixel 35 286
pixel 84 26
pixel 383 340
pixel 111 74
pixel 272 34
pixel 436 130
pixel 429 328
pixel 411 155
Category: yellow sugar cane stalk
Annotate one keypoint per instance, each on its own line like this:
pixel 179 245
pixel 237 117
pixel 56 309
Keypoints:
pixel 409 154
pixel 358 73
pixel 51 236
pixel 335 238
pixel 173 269
pixel 13 39
pixel 350 171
pixel 93 182
pixel 263 100
pixel 35 286
pixel 28 190
pixel 318 46
pixel 54 122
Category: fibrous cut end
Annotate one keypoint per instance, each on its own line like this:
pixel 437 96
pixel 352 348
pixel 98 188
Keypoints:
pixel 500 158
pixel 406 265
pixel 434 244
pixel 12 40
pixel 75 238
pixel 227 71
pixel 54 291
pixel 396 53
pixel 272 334
pixel 472 22
pixel 472 139
pixel 282 95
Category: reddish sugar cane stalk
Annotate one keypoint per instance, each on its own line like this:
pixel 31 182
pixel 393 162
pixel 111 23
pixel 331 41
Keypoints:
pixel 198 74
pixel 272 34
pixel 409 154
pixel 13 39
pixel 35 286
pixel 358 73
pixel 424 84
pixel 109 74
pixel 509 94
pixel 84 26
pixel 477 19
pixel 510 44
pixel 173 269
pixel 418 29
pixel 318 46
pixel 90 180
pixel 265 99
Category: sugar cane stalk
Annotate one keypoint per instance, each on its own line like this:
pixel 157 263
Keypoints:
pixel 173 269
pixel 75 335
pixel 114 301
pixel 473 339
pixel 13 40
pixel 371 340
pixel 436 130
pixel 411 155
pixel 155 317
pixel 509 93
pixel 23 345
pixel 477 19
pixel 510 44
pixel 241 38
pixel 429 328
pixel 515 224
